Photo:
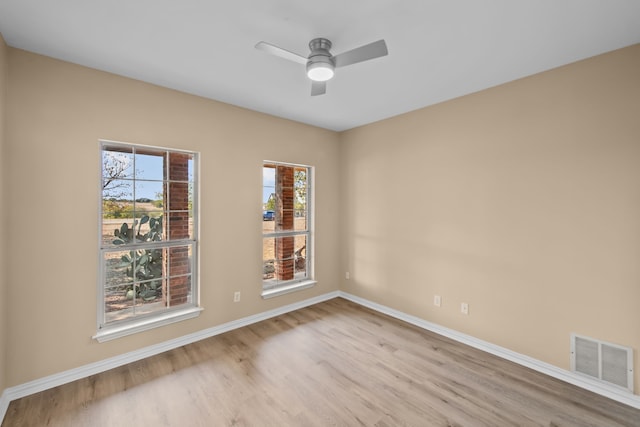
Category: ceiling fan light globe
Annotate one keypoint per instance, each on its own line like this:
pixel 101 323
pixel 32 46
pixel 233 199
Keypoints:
pixel 320 71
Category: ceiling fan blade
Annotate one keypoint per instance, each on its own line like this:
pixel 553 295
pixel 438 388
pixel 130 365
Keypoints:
pixel 318 88
pixel 282 53
pixel 362 53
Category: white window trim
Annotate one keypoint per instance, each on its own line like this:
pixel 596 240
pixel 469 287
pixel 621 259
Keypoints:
pixel 188 311
pixel 288 288
pixel 109 333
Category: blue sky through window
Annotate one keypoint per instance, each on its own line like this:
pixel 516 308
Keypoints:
pixel 148 174
pixel 268 183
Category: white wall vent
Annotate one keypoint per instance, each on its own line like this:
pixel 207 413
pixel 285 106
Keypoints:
pixel 602 360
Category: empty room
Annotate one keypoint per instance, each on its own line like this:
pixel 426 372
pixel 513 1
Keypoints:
pixel 287 213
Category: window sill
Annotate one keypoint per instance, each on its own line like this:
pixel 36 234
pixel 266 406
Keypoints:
pixel 286 289
pixel 109 333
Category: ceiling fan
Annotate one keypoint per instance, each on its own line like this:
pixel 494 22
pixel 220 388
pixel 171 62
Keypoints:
pixel 321 63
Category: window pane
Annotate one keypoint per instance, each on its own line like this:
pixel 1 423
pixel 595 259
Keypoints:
pixel 180 225
pixel 300 221
pixel 149 290
pixel 139 299
pixel 190 195
pixel 285 220
pixel 108 229
pixel 119 232
pixel 149 165
pixel 140 265
pixel 268 221
pixel 117 163
pixel 118 304
pixel 117 190
pixel 284 258
pixel 148 300
pixel 149 228
pixel 118 292
pixel 118 268
pixel 179 260
pixel 269 188
pixel 179 290
pixel 268 257
pixel 300 257
pixel 178 196
pixel 191 165
pixel 116 232
pixel 179 270
pixel 116 210
pixel 300 188
pixel 285 198
pixel 149 264
pixel 133 280
pixel 179 166
pixel 147 192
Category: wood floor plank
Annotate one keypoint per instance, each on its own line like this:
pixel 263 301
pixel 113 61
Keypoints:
pixel 331 364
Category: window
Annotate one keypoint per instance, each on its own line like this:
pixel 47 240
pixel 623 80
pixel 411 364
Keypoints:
pixel 148 245
pixel 287 248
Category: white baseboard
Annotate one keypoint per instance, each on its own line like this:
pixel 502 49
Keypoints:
pixel 41 384
pixel 4 405
pixel 611 392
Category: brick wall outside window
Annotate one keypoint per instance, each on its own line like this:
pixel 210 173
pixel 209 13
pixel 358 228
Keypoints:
pixel 284 264
pixel 178 228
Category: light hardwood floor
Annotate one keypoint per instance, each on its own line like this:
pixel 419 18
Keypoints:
pixel 332 364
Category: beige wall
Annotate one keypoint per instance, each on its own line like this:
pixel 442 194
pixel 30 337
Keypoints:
pixel 57 112
pixel 3 278
pixel 522 201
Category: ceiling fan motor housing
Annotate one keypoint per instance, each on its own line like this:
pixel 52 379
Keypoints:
pixel 320 59
pixel 321 63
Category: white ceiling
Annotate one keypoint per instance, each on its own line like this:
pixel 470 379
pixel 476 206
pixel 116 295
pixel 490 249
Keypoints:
pixel 438 49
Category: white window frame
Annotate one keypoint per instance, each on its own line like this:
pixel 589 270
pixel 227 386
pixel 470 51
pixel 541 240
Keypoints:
pixel 272 288
pixel 110 330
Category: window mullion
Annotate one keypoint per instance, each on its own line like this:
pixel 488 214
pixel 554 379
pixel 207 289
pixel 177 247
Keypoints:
pixel 136 283
pixel 168 277
pixel 284 233
pixel 150 245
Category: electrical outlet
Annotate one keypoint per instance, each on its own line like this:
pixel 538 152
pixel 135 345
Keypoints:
pixel 346 275
pixel 236 296
pixel 464 308
pixel 437 300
